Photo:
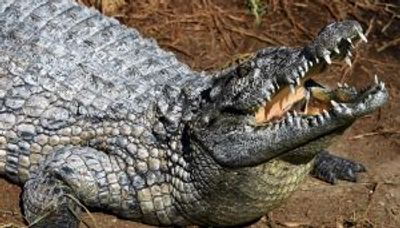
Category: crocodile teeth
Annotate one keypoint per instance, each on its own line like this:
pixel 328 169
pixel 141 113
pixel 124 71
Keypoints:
pixel 347 60
pixel 292 89
pixel 382 85
pixel 314 122
pixel 320 118
pixel 310 63
pixel 350 42
pixel 336 50
pixel 298 122
pixel 295 113
pixel 362 36
pixel 268 98
pixel 349 53
pixel 326 114
pixel 298 81
pixel 334 103
pixel 376 79
pixel 339 85
pixel 346 85
pixel 302 73
pixel 327 59
pixel 317 60
pixel 305 66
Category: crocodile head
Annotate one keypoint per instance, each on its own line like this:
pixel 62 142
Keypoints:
pixel 269 104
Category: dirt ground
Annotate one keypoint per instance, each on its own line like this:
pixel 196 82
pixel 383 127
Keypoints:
pixel 209 34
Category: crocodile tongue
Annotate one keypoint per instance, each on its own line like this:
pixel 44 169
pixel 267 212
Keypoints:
pixel 310 99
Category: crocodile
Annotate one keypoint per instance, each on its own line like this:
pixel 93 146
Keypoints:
pixel 93 115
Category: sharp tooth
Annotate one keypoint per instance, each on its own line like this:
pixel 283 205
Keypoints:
pixel 298 122
pixel 327 59
pixel 302 73
pixel 326 113
pixel 334 103
pixel 310 63
pixel 316 60
pixel 350 42
pixel 305 66
pixel 272 89
pixel 298 81
pixel 347 60
pixel 336 49
pixel 362 36
pixel 320 118
pixel 382 85
pixel 314 122
pixel 295 113
pixel 346 85
pixel 268 98
pixel 349 53
pixel 376 79
pixel 339 85
pixel 292 89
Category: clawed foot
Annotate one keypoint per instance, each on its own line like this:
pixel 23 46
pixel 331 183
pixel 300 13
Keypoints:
pixel 331 168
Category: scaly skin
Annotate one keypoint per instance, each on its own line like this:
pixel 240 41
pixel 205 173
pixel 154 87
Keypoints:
pixel 91 112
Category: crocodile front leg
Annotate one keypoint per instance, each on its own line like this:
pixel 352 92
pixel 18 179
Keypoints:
pixel 331 168
pixel 69 178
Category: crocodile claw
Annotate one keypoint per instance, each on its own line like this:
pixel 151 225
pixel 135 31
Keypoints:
pixel 331 168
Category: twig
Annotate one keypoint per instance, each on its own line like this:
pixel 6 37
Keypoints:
pixel 372 133
pixel 260 38
pixel 293 21
pixel 84 208
pixel 389 44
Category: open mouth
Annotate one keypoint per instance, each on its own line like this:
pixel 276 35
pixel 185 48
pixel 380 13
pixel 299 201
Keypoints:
pixel 312 101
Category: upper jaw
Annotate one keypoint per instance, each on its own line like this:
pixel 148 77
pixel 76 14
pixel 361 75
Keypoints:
pixel 334 42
